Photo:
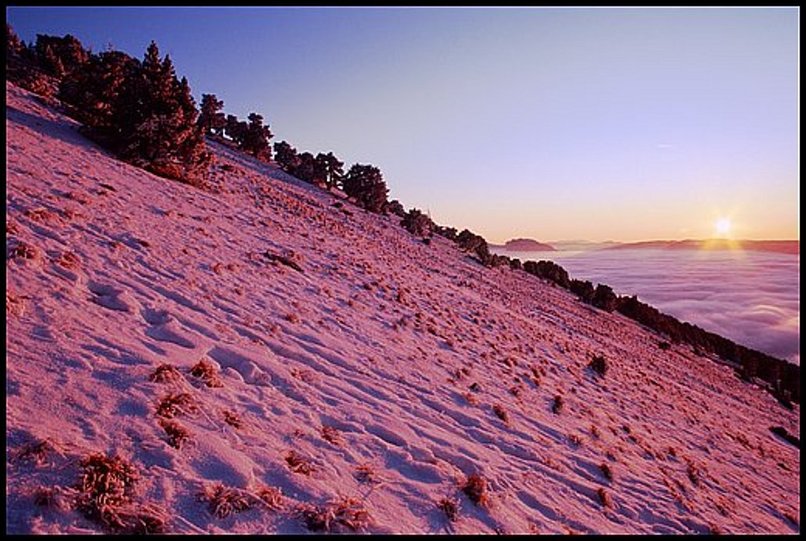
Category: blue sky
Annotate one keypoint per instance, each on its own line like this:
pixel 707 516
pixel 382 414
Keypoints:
pixel 623 124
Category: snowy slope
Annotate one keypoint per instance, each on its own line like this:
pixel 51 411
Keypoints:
pixel 401 349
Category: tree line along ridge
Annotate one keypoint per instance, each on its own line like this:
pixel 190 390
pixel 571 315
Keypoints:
pixel 145 114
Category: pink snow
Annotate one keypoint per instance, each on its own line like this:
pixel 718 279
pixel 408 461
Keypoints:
pixel 377 336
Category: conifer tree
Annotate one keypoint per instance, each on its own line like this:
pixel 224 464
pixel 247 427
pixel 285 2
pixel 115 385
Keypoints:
pixel 157 122
pixel 306 170
pixel 256 138
pixel 329 169
pixel 286 156
pixel 235 129
pixel 211 119
pixel 14 45
pixel 365 183
pixel 95 90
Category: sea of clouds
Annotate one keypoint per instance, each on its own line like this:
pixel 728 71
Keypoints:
pixel 753 298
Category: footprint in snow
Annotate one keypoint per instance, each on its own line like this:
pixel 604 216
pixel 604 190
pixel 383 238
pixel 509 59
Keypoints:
pixel 167 329
pixel 112 297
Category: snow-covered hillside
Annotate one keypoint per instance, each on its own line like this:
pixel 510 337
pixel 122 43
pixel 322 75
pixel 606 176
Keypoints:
pixel 353 376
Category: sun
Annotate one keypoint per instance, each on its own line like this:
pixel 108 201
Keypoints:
pixel 722 227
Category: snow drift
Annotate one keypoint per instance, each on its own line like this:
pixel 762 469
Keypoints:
pixel 266 359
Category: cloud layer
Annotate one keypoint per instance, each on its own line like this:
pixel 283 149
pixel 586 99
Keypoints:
pixel 751 298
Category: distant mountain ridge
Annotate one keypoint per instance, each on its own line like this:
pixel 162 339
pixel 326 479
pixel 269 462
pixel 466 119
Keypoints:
pixel 524 245
pixel 776 246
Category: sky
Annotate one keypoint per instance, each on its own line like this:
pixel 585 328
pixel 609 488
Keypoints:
pixel 622 124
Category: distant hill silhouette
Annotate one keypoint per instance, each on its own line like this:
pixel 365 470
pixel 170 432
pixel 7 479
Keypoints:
pixel 777 246
pixel 524 245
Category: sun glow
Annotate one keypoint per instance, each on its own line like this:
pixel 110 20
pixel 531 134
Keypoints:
pixel 722 227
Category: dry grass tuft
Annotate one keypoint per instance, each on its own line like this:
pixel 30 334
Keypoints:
pixel 106 488
pixel 223 501
pixel 336 516
pixel 68 260
pixel 501 413
pixel 205 371
pixel 472 400
pixel 475 487
pixel 142 520
pixel 56 497
pixel 271 496
pixel 37 452
pixel 449 506
pixel 15 304
pixel 23 250
pixel 176 403
pixel 12 228
pixel 599 365
pixel 558 404
pixel 299 464
pixel 365 473
pixel 604 497
pixel 165 373
pixel 606 471
pixel 332 435
pixel 233 419
pixel 694 474
pixel 177 434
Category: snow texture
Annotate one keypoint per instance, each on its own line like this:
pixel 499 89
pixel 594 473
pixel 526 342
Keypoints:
pixel 380 365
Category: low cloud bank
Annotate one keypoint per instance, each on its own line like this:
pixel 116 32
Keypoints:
pixel 750 298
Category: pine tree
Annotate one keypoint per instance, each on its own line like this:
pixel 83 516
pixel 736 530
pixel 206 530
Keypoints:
pixel 210 118
pixel 329 169
pixel 256 138
pixel 365 183
pixel 95 91
pixel 286 157
pixel 157 122
pixel 60 56
pixel 306 170
pixel 14 45
pixel 235 129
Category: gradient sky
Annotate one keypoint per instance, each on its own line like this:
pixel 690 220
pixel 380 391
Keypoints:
pixel 556 124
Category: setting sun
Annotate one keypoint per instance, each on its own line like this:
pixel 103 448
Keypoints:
pixel 722 227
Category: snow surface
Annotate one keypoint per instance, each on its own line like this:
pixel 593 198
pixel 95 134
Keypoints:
pixel 378 336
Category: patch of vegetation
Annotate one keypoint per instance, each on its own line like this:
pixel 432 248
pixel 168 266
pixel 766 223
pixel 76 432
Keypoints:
pixel 449 506
pixel 271 496
pixel 501 413
pixel 558 404
pixel 105 495
pixel 475 487
pixel 37 452
pixel 205 371
pixel 178 435
pixel 166 373
pixel 224 501
pixel 337 516
pixel 599 365
pixel 175 404
pixel 298 463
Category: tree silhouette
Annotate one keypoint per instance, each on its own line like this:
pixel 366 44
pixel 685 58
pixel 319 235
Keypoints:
pixel 329 169
pixel 157 124
pixel 286 156
pixel 211 119
pixel 95 91
pixel 256 138
pixel 235 129
pixel 306 170
pixel 14 45
pixel 365 184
